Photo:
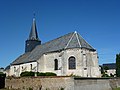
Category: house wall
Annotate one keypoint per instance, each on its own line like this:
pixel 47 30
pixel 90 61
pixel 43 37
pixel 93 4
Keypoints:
pixel 86 63
pixel 16 70
pixel 79 62
pixel 1 70
pixel 111 71
pixel 47 63
pixel 7 72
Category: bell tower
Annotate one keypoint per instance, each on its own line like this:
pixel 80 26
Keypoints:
pixel 33 39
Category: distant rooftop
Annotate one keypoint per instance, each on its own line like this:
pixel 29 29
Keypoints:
pixel 110 65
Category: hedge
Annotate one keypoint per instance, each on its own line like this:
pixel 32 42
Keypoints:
pixel 2 74
pixel 23 74
pixel 26 73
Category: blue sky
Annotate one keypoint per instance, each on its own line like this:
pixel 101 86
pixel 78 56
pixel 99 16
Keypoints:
pixel 97 21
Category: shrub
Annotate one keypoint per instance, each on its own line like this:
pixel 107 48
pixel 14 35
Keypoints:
pixel 30 88
pixel 50 74
pixel 2 74
pixel 26 73
pixel 41 74
pixel 117 88
pixel 46 74
pixel 62 88
pixel 105 75
pixel 23 74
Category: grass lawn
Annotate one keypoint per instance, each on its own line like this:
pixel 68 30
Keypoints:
pixel 117 88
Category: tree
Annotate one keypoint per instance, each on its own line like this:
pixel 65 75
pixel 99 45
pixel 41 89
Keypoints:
pixel 105 67
pixel 118 65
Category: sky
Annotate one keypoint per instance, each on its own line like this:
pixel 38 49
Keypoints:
pixel 97 21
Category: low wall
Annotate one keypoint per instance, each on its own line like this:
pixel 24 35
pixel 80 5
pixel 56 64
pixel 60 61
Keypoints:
pixel 40 83
pixel 62 83
pixel 92 84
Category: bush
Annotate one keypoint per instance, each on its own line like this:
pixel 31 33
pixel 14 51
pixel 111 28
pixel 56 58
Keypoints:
pixel 23 74
pixel 46 74
pixel 50 74
pixel 117 88
pixel 105 75
pixel 41 74
pixel 2 74
pixel 26 73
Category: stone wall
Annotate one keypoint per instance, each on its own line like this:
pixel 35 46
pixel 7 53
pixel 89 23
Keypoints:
pixel 62 83
pixel 40 83
pixel 92 84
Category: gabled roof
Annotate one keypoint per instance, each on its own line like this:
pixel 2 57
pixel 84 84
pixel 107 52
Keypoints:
pixel 68 41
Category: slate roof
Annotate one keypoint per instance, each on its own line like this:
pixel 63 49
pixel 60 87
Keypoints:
pixel 33 33
pixel 68 41
pixel 110 65
pixel 7 68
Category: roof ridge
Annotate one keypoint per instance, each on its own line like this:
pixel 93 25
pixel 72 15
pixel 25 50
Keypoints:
pixel 69 40
pixel 78 39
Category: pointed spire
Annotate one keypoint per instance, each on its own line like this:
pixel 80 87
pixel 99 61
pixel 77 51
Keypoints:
pixel 33 33
pixel 33 39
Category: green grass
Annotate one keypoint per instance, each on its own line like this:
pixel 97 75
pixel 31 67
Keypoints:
pixel 117 88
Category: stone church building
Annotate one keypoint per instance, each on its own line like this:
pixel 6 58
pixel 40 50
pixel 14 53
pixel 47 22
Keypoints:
pixel 66 55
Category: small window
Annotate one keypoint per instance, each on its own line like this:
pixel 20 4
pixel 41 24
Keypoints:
pixel 30 66
pixel 72 63
pixel 22 67
pixel 56 64
pixel 14 69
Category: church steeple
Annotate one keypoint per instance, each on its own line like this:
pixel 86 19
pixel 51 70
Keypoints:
pixel 33 39
pixel 33 34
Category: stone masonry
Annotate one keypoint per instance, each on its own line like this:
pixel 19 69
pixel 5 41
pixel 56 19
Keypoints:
pixel 61 83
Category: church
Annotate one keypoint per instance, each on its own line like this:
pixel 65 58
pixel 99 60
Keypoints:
pixel 66 55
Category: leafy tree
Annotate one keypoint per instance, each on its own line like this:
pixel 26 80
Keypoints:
pixel 105 67
pixel 2 74
pixel 118 65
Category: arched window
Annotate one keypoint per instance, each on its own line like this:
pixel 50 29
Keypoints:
pixel 72 62
pixel 56 64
